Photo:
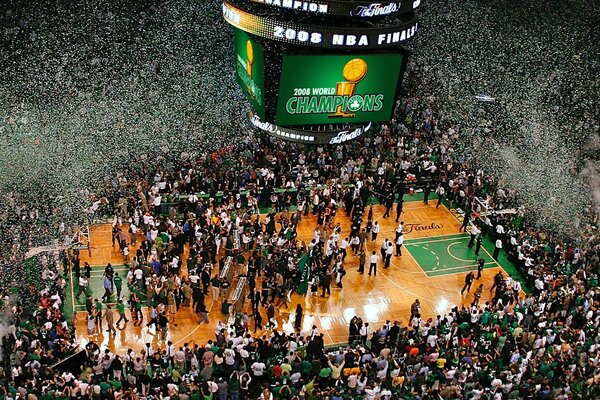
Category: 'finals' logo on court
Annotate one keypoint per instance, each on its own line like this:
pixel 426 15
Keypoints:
pixel 408 228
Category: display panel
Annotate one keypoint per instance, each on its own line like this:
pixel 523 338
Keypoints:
pixel 356 8
pixel 250 71
pixel 334 136
pixel 291 32
pixel 337 89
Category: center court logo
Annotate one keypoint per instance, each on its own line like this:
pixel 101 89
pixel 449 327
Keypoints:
pixel 341 101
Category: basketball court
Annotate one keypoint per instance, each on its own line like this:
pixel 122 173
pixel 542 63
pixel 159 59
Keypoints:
pixel 446 255
pixel 435 258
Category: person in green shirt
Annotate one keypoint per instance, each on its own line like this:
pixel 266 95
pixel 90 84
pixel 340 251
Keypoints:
pixel 234 385
pixel 494 319
pixel 104 388
pixel 47 396
pixel 325 373
pixel 118 282
pixel 305 367
pixel 138 312
pixel 195 395
pixel 501 342
pixel 175 375
pixel 206 393
pixel 121 310
pixel 485 317
pixel 116 384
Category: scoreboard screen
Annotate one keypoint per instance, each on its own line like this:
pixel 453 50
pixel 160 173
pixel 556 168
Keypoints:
pixel 321 71
pixel 337 89
pixel 250 69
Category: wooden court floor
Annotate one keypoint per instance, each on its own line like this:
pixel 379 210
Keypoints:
pixel 375 299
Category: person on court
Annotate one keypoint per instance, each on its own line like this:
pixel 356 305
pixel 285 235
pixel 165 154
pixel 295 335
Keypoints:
pixel 478 244
pixel 477 295
pixel 468 283
pixel 463 227
pixel 497 248
pixel 498 279
pixel 399 242
pixel 362 260
pixel 474 232
pixel 384 245
pixel 426 193
pixel 389 203
pixel 399 206
pixel 373 260
pixel 399 230
pixel 375 228
pixel 440 191
pixel 389 250
pixel 480 264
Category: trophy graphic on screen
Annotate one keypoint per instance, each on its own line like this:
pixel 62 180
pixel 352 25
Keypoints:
pixel 354 71
pixel 249 62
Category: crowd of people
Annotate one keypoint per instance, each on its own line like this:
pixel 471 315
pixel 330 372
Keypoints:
pixel 541 345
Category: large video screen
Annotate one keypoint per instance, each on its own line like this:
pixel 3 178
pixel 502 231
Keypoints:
pixel 337 89
pixel 250 69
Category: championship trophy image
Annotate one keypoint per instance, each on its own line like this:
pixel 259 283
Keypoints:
pixel 354 71
pixel 250 54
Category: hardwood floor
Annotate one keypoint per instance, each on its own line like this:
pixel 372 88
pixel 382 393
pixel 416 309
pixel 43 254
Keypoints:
pixel 387 296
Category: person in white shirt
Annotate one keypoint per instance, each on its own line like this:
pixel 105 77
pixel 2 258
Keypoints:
pixel 364 332
pixel 474 232
pixel 509 281
pixel 516 288
pixel 258 369
pixel 229 355
pixel 374 259
pixel 399 230
pixel 83 285
pixel 375 231
pixel 497 249
pixel 389 250
pixel 499 231
pixel 343 248
pixel 193 277
pixel 133 229
pixel 399 242
pixel 440 191
pixel 371 394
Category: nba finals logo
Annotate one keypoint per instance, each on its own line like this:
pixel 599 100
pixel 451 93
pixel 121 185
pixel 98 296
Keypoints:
pixel 340 101
pixel 354 71
pixel 250 54
pixel 244 71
